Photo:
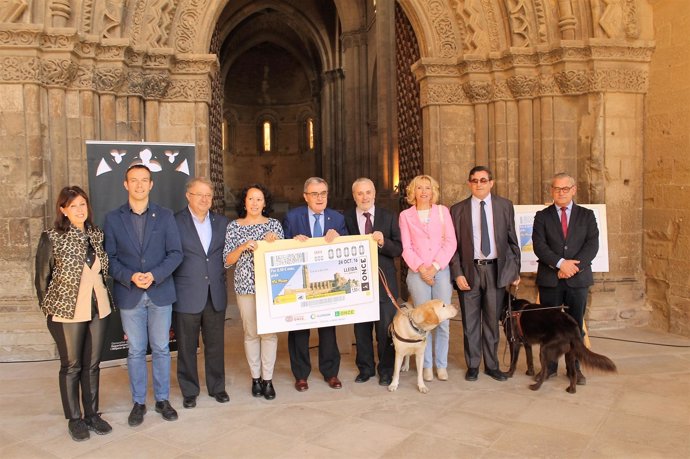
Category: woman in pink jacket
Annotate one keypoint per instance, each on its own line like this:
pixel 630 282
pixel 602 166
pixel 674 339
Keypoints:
pixel 428 240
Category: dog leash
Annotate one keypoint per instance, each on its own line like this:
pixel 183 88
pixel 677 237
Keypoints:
pixel 384 281
pixel 405 312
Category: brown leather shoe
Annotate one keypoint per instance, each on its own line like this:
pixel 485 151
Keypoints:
pixel 334 382
pixel 301 385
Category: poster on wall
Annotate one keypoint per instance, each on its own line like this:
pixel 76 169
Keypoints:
pixel 171 165
pixel 524 223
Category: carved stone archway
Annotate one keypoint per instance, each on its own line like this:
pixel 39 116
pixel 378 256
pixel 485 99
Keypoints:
pixel 529 87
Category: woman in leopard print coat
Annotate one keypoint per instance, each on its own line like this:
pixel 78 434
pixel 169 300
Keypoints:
pixel 71 265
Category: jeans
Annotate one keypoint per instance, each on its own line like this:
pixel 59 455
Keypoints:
pixel 436 352
pixel 148 324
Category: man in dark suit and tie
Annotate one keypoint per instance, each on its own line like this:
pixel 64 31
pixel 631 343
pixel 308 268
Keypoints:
pixel 487 260
pixel 201 294
pixel 383 226
pixel 566 240
pixel 301 223
pixel 144 249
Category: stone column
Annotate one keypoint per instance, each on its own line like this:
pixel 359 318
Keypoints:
pixel 386 99
pixel 332 130
pixel 357 161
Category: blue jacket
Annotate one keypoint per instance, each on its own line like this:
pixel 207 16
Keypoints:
pixel 200 271
pixel 160 254
pixel 297 222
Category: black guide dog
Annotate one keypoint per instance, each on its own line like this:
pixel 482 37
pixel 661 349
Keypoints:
pixel 555 331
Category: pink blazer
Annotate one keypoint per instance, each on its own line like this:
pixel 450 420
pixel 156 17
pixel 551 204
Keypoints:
pixel 424 244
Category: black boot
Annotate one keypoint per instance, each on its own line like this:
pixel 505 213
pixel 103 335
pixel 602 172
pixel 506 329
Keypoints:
pixel 257 389
pixel 268 390
pixel 78 430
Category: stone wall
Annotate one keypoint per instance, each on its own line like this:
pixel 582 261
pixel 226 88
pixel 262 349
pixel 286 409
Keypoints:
pixel 667 171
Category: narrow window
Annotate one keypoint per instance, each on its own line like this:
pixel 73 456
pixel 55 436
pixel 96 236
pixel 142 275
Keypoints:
pixel 310 133
pixel 267 136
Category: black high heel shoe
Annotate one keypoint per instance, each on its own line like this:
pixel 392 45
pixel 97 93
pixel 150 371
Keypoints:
pixel 269 391
pixel 257 388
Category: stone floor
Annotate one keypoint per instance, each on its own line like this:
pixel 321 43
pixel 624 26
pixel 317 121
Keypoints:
pixel 644 411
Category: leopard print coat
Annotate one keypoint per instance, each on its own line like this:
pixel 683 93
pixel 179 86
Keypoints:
pixel 60 261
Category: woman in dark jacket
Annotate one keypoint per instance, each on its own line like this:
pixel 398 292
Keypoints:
pixel 71 265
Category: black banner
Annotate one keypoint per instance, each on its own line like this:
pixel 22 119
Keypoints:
pixel 171 165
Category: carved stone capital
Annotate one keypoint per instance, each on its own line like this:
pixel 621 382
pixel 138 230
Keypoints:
pixel 478 92
pixel 523 86
pixel 572 82
pixel 155 85
pixel 58 72
pixel 108 79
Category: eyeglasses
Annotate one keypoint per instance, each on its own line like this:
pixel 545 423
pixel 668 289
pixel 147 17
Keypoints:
pixel 475 181
pixel 200 195
pixel 561 189
pixel 317 194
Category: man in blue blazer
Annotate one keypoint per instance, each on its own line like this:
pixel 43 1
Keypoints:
pixel 301 223
pixel 201 294
pixel 367 218
pixel 566 240
pixel 144 249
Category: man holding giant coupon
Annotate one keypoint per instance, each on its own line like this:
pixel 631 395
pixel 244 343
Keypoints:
pixel 301 223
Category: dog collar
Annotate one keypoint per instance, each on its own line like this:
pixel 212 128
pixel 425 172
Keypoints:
pixel 407 340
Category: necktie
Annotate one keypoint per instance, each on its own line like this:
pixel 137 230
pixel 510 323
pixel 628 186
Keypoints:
pixel 564 222
pixel 318 231
pixel 368 226
pixel 486 244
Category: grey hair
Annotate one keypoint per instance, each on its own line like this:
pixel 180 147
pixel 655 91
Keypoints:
pixel 312 180
pixel 562 175
pixel 363 180
pixel 196 180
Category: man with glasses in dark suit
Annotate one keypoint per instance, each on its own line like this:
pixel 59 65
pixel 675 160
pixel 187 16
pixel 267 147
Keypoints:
pixel 566 240
pixel 314 220
pixel 486 262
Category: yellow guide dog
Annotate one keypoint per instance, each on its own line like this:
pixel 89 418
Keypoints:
pixel 409 329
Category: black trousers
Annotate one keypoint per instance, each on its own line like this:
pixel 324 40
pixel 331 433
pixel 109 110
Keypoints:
pixel 211 324
pixel 329 355
pixel 79 345
pixel 384 343
pixel 574 298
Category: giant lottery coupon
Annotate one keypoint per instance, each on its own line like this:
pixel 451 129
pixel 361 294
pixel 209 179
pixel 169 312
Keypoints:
pixel 312 283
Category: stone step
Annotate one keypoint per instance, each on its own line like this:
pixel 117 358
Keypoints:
pixel 19 305
pixel 25 337
pixel 28 353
